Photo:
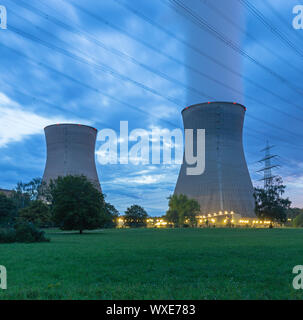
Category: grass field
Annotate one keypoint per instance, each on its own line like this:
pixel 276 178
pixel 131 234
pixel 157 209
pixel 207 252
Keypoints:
pixel 156 264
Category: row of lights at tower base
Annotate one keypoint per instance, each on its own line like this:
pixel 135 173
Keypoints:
pixel 210 219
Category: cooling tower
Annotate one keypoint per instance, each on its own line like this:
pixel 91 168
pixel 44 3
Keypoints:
pixel 225 184
pixel 70 151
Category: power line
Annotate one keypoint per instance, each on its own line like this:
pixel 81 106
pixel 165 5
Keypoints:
pixel 109 70
pixel 254 39
pixel 85 85
pixel 39 100
pixel 190 46
pixel 271 27
pixel 100 66
pixel 118 53
pixel 53 106
pixel 133 60
pixel 201 23
pixel 254 118
pixel 287 24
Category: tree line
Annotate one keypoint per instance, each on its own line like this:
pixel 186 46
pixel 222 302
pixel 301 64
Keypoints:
pixel 73 203
pixel 69 202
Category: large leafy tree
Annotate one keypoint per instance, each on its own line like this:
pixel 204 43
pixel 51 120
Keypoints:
pixel 8 211
pixel 76 204
pixel 182 209
pixel 135 216
pixel 37 213
pixel 269 203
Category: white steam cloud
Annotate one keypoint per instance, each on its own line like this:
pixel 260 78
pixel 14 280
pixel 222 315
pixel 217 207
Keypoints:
pixel 223 16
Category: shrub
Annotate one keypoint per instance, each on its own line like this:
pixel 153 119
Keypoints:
pixel 298 221
pixel 22 232
pixel 7 211
pixel 7 235
pixel 27 232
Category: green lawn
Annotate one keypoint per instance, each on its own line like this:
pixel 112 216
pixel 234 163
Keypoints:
pixel 156 264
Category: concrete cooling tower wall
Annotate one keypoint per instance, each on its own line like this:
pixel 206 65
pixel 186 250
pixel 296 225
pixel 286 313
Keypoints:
pixel 70 151
pixel 225 184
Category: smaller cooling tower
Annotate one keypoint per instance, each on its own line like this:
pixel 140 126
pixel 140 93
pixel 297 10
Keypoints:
pixel 70 151
pixel 225 185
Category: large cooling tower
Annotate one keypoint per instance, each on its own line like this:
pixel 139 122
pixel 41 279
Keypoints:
pixel 225 184
pixel 70 151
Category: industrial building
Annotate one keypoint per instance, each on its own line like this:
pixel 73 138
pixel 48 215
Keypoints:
pixel 6 192
pixel 70 151
pixel 225 185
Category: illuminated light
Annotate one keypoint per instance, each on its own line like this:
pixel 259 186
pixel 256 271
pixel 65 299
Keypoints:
pixel 215 214
pixel 209 215
pixel 208 102
pixel 213 220
pixel 235 102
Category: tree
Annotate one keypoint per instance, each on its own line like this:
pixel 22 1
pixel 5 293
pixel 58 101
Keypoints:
pixel 269 203
pixel 182 209
pixel 37 213
pixel 24 193
pixel 135 217
pixel 293 212
pixel 110 217
pixel 8 211
pixel 298 221
pixel 76 204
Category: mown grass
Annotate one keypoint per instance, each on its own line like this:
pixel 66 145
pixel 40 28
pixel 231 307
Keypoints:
pixel 156 264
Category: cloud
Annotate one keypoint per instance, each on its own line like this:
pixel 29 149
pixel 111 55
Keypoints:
pixel 17 123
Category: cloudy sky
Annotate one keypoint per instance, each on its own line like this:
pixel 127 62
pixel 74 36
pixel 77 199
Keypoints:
pixel 99 62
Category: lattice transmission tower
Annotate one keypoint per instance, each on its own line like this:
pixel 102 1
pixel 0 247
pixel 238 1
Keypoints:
pixel 268 166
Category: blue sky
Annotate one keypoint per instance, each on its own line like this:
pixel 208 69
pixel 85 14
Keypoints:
pixel 42 85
